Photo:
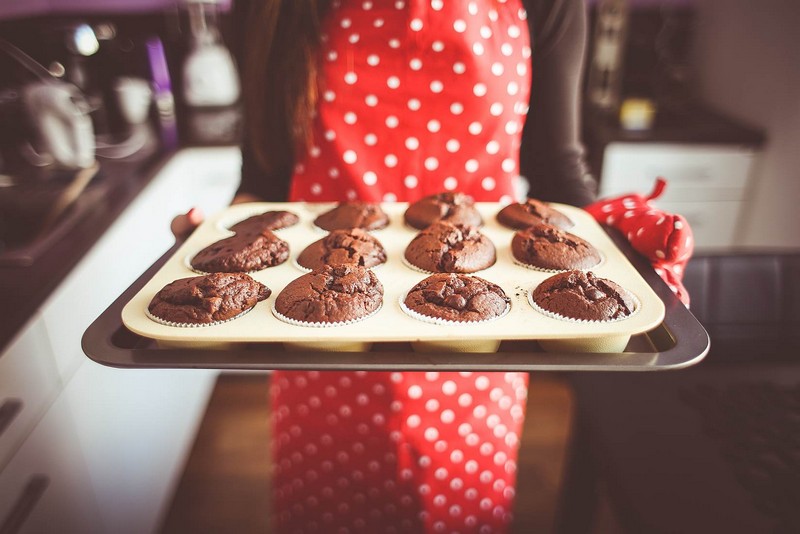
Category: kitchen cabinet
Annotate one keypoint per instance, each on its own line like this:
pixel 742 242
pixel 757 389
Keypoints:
pixel 96 449
pixel 707 183
pixel 46 485
pixel 27 386
pixel 135 428
pixel 709 161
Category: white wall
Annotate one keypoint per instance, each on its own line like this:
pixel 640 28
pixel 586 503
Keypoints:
pixel 748 66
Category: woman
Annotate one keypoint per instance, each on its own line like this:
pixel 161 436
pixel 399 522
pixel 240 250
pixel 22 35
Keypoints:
pixel 392 100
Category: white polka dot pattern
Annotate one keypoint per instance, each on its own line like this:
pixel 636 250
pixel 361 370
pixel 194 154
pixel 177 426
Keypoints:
pixel 397 75
pixel 410 451
pixel 407 452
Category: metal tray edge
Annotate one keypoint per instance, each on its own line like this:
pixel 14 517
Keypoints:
pixel 684 342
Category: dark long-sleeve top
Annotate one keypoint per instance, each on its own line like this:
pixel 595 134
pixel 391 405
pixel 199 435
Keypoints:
pixel 551 153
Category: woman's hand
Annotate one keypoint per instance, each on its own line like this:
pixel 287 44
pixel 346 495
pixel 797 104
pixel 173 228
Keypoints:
pixel 663 238
pixel 184 224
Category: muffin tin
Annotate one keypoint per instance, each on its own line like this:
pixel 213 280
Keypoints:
pixel 391 324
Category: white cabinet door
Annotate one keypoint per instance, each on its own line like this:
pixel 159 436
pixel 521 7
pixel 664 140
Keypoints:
pixel 28 384
pixel 46 486
pixel 136 427
pixel 693 172
pixel 705 183
pixel 715 225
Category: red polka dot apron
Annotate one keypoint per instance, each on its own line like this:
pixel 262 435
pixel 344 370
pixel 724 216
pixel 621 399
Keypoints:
pixel 418 97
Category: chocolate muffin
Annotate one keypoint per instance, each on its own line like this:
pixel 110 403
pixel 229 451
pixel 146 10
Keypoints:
pixel 348 215
pixel 354 246
pixel 207 299
pixel 243 252
pixel 581 295
pixel 269 220
pixel 530 212
pixel 333 294
pixel 456 208
pixel 444 247
pixel 457 297
pixel 546 247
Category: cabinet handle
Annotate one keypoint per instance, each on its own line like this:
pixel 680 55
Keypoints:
pixel 8 411
pixel 33 491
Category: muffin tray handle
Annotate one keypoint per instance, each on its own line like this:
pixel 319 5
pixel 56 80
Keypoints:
pixel 678 342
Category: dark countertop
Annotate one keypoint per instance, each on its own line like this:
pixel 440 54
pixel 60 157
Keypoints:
pixel 695 123
pixel 25 288
pixel 688 124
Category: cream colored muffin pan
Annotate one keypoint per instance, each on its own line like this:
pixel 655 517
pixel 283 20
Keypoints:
pixel 391 324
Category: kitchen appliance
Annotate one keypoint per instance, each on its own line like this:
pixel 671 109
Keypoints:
pixel 134 96
pixel 607 55
pixel 58 115
pixel 209 74
pixel 46 189
pixel 640 50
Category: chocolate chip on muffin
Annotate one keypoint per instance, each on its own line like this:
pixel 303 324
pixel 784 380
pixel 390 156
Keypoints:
pixel 457 297
pixel 530 212
pixel 346 215
pixel 207 299
pixel 582 295
pixel 269 220
pixel 333 294
pixel 451 248
pixel 243 252
pixel 546 247
pixel 354 246
pixel 457 208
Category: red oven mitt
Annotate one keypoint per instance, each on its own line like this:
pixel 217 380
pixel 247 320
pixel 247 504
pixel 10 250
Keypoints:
pixel 663 238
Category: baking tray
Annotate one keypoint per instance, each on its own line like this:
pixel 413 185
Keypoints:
pixel 676 340
pixel 391 324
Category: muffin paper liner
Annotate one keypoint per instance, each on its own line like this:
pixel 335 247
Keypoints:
pixel 414 267
pixel 424 271
pixel 554 271
pixel 295 322
pixel 636 307
pixel 300 267
pixel 323 231
pixel 307 270
pixel 319 230
pixel 416 230
pixel 159 320
pixel 188 262
pixel 445 322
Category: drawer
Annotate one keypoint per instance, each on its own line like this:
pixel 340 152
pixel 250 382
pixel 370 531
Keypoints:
pixel 28 383
pixel 136 429
pixel 46 486
pixel 715 224
pixel 693 172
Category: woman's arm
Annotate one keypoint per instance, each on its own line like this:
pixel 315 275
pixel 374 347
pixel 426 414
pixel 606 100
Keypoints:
pixel 256 184
pixel 552 155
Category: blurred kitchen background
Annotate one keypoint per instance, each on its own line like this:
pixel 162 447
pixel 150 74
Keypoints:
pixel 116 115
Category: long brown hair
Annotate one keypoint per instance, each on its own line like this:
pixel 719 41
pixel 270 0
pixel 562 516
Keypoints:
pixel 280 78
